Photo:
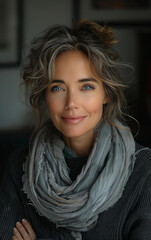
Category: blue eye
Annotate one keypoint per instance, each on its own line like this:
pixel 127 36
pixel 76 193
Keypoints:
pixel 88 87
pixel 56 89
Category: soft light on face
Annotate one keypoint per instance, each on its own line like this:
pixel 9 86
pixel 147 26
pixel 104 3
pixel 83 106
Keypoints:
pixel 75 97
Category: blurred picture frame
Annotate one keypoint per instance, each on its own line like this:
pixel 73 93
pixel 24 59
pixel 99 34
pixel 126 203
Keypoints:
pixel 11 32
pixel 120 4
pixel 93 9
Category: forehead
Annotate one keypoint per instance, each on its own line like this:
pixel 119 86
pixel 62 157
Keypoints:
pixel 72 55
pixel 72 62
pixel 74 67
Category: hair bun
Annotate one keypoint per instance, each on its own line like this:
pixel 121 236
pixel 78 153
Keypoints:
pixel 104 33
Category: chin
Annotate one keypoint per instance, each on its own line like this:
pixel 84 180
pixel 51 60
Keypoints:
pixel 72 134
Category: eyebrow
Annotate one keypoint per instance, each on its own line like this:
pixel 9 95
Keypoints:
pixel 80 80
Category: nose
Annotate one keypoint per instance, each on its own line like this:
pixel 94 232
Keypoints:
pixel 71 101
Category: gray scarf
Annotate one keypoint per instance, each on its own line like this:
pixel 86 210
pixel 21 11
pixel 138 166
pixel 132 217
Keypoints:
pixel 76 205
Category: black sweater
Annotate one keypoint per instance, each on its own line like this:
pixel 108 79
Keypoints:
pixel 128 219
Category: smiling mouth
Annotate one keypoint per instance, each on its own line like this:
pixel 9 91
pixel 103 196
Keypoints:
pixel 73 119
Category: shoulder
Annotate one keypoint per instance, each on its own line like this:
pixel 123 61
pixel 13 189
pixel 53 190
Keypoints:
pixel 143 166
pixel 141 174
pixel 143 149
pixel 13 173
pixel 140 178
pixel 19 154
pixel 143 158
pixel 16 160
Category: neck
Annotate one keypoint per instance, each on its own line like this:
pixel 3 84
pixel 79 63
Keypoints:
pixel 80 145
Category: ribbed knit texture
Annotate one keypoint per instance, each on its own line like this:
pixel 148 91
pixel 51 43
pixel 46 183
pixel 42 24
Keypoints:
pixel 128 219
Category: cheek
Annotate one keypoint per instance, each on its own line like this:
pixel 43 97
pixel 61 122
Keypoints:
pixel 53 106
pixel 95 105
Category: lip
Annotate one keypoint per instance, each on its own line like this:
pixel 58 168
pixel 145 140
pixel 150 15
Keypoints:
pixel 73 119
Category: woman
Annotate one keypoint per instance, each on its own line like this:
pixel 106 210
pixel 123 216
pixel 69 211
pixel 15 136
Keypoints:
pixel 83 176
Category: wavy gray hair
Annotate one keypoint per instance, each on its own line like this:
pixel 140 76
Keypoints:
pixel 96 42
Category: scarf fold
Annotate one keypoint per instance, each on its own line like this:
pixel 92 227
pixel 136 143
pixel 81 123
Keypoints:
pixel 76 205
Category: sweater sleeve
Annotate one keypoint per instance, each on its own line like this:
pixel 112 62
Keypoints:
pixel 11 208
pixel 138 224
pixel 14 207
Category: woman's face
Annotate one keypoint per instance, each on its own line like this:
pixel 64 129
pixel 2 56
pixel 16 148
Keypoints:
pixel 75 97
